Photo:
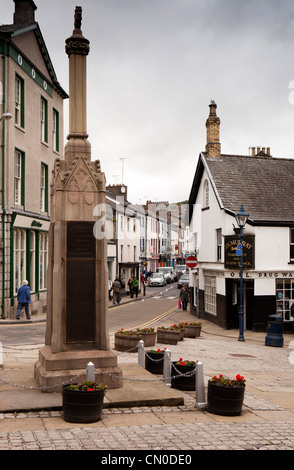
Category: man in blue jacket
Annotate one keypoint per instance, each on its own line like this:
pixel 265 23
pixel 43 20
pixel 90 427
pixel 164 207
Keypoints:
pixel 23 298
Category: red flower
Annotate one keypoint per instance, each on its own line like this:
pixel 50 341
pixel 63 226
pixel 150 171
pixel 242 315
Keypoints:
pixel 90 389
pixel 182 363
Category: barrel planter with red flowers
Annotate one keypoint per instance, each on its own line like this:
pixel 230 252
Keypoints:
pixel 148 336
pixel 154 360
pixel 225 396
pixel 183 375
pixel 127 340
pixel 192 330
pixel 168 335
pixel 83 403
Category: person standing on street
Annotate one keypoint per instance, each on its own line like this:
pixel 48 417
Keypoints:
pixel 135 286
pixel 23 299
pixel 116 287
pixel 184 296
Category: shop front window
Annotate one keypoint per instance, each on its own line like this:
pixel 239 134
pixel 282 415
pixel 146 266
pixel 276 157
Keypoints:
pixel 284 298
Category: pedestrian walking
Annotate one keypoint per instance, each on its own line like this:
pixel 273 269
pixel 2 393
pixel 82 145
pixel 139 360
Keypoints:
pixel 116 287
pixel 130 287
pixel 184 296
pixel 135 286
pixel 143 281
pixel 109 289
pixel 23 299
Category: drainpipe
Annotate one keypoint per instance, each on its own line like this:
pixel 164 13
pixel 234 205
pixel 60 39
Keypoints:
pixel 3 181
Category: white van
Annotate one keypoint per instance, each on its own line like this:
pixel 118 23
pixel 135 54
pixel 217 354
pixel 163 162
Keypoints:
pixel 168 272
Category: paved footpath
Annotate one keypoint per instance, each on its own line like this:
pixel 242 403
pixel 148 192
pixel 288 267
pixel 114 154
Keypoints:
pixel 266 423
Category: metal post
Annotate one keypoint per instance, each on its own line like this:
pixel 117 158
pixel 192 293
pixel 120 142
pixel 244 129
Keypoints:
pixel 141 354
pixel 90 372
pixel 241 309
pixel 167 366
pixel 200 391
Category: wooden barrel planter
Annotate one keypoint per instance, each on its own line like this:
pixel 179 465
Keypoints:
pixel 192 331
pixel 226 401
pixel 125 342
pixel 80 406
pixel 148 337
pixel 168 336
pixel 154 362
pixel 182 382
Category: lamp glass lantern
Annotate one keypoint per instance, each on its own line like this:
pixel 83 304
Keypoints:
pixel 241 217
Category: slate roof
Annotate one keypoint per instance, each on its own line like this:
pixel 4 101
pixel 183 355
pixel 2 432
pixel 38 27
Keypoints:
pixel 263 184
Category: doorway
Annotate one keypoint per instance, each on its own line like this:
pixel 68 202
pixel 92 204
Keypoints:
pixel 233 303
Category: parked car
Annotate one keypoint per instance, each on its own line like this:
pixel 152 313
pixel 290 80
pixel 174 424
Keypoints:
pixel 184 279
pixel 168 273
pixel 157 279
pixel 179 270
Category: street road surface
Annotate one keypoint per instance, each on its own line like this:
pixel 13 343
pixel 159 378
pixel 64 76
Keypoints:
pixel 147 311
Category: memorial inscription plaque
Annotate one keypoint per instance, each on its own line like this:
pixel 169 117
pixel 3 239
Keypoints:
pixel 80 285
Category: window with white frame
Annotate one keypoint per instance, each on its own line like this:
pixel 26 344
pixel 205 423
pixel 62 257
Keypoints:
pixel 292 245
pixel 19 259
pixel 55 131
pixel 44 188
pixel 32 260
pixel 43 259
pixel 284 298
pixel 44 120
pixel 205 194
pixel 218 244
pixel 19 101
pixel 18 177
pixel 210 294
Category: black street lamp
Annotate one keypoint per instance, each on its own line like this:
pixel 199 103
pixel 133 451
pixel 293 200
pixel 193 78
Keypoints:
pixel 241 219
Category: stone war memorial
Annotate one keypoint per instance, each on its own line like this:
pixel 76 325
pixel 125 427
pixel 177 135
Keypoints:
pixel 77 290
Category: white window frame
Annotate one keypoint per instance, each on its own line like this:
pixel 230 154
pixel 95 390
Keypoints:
pixel 43 188
pixel 17 177
pixel 43 260
pixel 210 295
pixel 218 244
pixel 32 260
pixel 55 124
pixel 19 259
pixel 18 100
pixel 284 298
pixel 44 123
pixel 292 245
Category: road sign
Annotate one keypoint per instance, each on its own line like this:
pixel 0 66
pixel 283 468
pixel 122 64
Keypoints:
pixel 239 250
pixel 191 261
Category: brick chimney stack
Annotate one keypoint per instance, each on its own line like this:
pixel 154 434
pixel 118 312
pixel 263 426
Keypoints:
pixel 213 146
pixel 24 12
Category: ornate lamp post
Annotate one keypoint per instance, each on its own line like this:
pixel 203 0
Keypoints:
pixel 241 219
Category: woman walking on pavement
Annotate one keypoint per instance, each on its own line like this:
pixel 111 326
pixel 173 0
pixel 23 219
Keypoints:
pixel 184 296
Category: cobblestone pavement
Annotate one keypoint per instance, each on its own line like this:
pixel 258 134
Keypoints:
pixel 177 436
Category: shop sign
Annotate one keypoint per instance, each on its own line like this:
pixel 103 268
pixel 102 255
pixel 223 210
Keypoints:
pixel 232 252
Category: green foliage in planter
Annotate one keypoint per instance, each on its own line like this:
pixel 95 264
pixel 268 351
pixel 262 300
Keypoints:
pixel 87 386
pixel 170 328
pixel 128 332
pixel 156 351
pixel 186 362
pixel 145 330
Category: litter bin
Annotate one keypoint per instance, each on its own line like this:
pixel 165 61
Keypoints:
pixel 274 335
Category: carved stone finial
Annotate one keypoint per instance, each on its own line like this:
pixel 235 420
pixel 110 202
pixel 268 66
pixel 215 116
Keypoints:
pixel 78 18
pixel 77 43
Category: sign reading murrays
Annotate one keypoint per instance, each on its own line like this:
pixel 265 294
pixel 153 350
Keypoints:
pixel 232 257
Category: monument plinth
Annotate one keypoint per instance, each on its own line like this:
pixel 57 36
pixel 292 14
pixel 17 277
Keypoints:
pixel 77 287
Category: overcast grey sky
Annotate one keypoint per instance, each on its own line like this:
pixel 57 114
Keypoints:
pixel 154 66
